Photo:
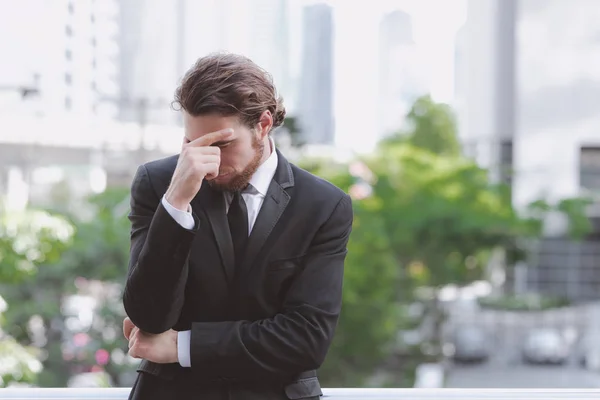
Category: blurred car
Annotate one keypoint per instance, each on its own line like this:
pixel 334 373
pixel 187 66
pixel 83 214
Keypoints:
pixel 471 344
pixel 545 346
pixel 588 350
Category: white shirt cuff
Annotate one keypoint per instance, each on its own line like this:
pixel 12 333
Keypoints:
pixel 183 218
pixel 183 348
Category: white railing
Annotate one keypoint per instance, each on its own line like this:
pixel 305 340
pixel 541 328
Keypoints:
pixel 331 394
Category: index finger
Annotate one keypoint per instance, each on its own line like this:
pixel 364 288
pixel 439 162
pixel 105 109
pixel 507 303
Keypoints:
pixel 212 137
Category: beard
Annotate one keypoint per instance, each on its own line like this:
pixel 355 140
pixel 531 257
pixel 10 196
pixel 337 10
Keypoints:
pixel 239 181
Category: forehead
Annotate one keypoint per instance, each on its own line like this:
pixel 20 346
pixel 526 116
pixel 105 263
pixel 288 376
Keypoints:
pixel 201 125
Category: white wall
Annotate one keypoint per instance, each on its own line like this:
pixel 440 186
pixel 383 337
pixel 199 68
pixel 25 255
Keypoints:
pixel 559 95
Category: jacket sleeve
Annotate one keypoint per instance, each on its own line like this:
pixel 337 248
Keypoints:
pixel 298 338
pixel 158 267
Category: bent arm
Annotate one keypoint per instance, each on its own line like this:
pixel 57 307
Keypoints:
pixel 158 268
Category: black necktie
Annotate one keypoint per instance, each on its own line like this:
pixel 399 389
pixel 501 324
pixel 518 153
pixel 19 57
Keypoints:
pixel 238 225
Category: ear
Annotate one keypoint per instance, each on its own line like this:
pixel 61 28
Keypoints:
pixel 265 123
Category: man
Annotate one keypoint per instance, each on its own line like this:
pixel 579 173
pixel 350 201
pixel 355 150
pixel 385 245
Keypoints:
pixel 235 277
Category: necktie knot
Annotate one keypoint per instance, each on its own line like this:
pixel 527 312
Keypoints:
pixel 250 189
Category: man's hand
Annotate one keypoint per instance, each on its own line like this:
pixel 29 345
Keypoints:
pixel 161 348
pixel 198 160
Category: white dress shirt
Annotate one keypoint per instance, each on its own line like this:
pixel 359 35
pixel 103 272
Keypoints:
pixel 253 197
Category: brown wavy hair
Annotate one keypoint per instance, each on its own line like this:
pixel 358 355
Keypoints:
pixel 229 84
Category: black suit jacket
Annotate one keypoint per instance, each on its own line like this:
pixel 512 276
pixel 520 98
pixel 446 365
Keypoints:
pixel 259 330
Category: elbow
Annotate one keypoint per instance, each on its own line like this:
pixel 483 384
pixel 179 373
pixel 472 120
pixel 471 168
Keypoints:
pixel 315 352
pixel 307 362
pixel 315 343
pixel 315 358
pixel 147 319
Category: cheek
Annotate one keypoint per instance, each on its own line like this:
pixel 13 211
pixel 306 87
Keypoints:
pixel 234 157
pixel 228 159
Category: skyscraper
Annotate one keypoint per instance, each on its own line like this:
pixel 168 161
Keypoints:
pixel 398 81
pixel 154 60
pixel 70 47
pixel 149 60
pixel 315 99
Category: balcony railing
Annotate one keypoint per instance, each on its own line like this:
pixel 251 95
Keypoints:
pixel 331 394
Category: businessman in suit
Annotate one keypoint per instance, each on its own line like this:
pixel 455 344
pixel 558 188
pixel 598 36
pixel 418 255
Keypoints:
pixel 237 256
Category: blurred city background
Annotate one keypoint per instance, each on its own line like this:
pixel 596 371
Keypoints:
pixel 467 132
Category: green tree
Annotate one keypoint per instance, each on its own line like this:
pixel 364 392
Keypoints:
pixel 431 126
pixel 28 239
pixel 426 217
pixel 370 316
pixel 94 266
pixel 426 220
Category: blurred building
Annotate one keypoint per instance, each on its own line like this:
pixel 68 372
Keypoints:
pixel 461 82
pixel 72 61
pixel 154 59
pixel 315 97
pixel 399 80
pixel 150 59
pixel 485 83
pixel 62 60
pixel 67 50
pixel 530 89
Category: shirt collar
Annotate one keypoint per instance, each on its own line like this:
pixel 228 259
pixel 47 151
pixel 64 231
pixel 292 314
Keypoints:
pixel 265 172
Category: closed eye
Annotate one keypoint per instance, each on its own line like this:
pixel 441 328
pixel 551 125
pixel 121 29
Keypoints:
pixel 223 144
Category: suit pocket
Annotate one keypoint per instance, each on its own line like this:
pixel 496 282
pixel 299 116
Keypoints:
pixel 303 389
pixel 279 277
pixel 284 264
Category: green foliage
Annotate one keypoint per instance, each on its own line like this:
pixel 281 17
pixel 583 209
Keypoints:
pixel 426 216
pixel 101 248
pixel 579 222
pixel 19 364
pixel 98 252
pixel 369 314
pixel 27 239
pixel 428 220
pixel 432 127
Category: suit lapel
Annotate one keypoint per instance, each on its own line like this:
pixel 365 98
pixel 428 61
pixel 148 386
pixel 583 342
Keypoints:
pixel 274 204
pixel 213 205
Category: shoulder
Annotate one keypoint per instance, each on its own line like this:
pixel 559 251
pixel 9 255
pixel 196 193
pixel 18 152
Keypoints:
pixel 159 172
pixel 320 191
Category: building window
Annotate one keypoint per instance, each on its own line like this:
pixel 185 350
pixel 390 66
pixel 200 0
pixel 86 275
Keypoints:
pixel 71 8
pixel 589 168
pixel 69 30
pixel 68 103
pixel 68 79
pixel 68 55
pixel 506 161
